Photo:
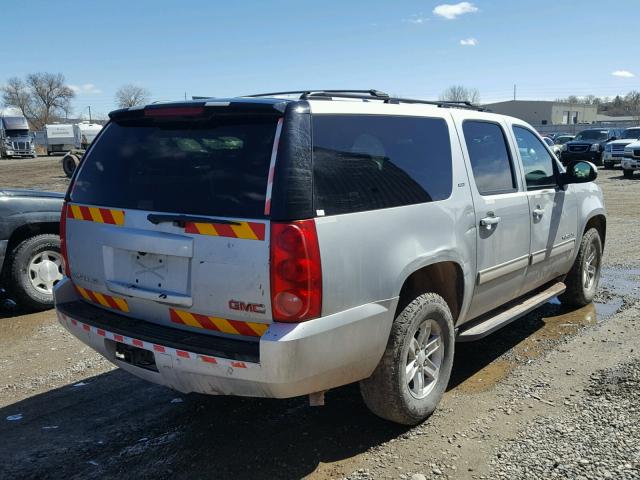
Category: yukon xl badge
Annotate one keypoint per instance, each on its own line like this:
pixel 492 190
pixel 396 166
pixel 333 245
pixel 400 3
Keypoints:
pixel 247 307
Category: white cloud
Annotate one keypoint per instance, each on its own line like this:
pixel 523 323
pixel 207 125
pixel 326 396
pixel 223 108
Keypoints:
pixel 469 42
pixel 417 19
pixel 453 11
pixel 623 74
pixel 85 89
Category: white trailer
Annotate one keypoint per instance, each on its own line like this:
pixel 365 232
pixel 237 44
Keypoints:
pixel 59 137
pixel 84 133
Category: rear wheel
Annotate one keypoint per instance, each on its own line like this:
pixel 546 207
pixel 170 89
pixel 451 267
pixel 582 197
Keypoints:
pixel 608 165
pixel 627 173
pixel 35 267
pixel 414 371
pixel 582 279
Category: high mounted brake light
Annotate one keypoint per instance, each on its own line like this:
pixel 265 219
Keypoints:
pixel 174 112
pixel 296 272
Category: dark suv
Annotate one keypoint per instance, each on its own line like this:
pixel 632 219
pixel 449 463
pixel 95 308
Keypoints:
pixel 588 145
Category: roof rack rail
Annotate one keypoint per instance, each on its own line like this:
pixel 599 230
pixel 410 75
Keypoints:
pixel 370 94
pixel 303 94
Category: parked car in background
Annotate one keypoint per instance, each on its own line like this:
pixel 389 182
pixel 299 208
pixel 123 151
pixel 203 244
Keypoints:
pixel 588 145
pixel 15 138
pixel 559 141
pixel 614 150
pixel 244 255
pixel 631 160
pixel 548 141
pixel 59 138
pixel 30 258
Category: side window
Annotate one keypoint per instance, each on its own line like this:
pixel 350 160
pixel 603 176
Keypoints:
pixel 537 161
pixel 367 162
pixel 489 157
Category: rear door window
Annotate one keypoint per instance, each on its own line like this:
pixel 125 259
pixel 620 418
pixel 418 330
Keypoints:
pixel 205 167
pixel 489 156
pixel 367 162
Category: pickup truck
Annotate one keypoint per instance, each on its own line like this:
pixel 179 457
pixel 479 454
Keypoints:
pixel 30 259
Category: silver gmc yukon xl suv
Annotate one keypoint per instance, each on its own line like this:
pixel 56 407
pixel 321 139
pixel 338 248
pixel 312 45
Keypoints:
pixel 281 245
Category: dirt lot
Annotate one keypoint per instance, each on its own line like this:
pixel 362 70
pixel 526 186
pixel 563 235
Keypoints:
pixel 552 395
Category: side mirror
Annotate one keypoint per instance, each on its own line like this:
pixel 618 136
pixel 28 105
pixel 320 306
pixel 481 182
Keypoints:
pixel 612 139
pixel 579 172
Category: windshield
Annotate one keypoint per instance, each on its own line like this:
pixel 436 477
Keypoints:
pixel 633 133
pixel 593 135
pixel 199 168
pixel 17 133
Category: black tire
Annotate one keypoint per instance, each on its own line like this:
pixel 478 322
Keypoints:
pixel 69 164
pixel 577 293
pixel 387 392
pixel 627 173
pixel 608 165
pixel 20 285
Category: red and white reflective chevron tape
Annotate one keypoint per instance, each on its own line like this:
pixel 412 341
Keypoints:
pixel 153 347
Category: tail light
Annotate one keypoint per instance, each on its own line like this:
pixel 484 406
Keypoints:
pixel 63 238
pixel 296 273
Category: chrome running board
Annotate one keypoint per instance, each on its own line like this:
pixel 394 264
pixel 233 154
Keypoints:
pixel 496 319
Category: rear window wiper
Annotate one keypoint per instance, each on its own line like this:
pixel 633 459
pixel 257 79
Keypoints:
pixel 181 220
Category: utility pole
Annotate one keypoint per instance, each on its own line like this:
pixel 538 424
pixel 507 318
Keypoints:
pixel 514 92
pixel 89 113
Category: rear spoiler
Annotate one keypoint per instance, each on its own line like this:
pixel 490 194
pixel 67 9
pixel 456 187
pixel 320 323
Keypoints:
pixel 201 108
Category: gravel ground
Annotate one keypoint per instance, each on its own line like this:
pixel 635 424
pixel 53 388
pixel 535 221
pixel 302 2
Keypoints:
pixel 556 387
pixel 598 437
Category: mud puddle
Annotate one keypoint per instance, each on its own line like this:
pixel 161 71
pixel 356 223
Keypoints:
pixel 478 366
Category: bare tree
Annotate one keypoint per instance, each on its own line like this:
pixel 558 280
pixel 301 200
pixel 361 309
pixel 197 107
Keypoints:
pixel 42 97
pixel 52 98
pixel 16 94
pixel 131 95
pixel 458 93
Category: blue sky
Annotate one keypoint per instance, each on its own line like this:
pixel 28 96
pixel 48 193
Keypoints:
pixel 407 47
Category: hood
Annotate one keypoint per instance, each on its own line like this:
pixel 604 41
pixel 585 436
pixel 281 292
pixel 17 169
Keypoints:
pixel 634 144
pixel 18 192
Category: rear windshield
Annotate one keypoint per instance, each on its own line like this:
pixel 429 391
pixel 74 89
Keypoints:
pixel 208 167
pixel 370 162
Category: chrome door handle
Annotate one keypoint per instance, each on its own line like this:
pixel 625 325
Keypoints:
pixel 489 221
pixel 538 212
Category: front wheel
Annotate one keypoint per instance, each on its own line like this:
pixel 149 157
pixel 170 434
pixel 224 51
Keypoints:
pixel 627 173
pixel 414 371
pixel 582 280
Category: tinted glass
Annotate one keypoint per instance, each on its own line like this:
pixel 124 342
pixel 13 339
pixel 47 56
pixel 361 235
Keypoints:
pixel 537 161
pixel 595 135
pixel 199 167
pixel 371 162
pixel 489 156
